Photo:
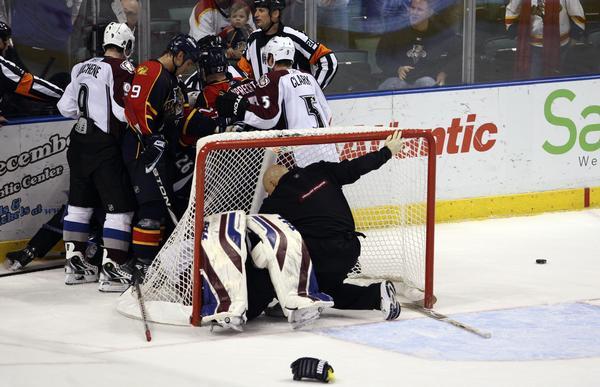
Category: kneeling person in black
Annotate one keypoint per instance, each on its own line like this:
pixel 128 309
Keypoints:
pixel 312 200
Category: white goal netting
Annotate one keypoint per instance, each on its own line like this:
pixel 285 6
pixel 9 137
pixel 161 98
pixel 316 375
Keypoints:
pixel 392 206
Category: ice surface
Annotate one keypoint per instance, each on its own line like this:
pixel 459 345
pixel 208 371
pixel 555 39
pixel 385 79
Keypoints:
pixel 56 335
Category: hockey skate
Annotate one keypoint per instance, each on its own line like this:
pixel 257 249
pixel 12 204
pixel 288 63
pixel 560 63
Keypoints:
pixel 77 269
pixel 114 277
pixel 17 260
pixel 390 307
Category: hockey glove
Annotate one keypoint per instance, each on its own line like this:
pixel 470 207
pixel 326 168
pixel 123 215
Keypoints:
pixel 309 367
pixel 154 147
pixel 232 105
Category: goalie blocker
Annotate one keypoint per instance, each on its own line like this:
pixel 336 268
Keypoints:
pixel 236 289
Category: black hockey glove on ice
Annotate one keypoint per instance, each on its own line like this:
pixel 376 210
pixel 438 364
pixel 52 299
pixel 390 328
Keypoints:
pixel 232 105
pixel 309 367
pixel 154 146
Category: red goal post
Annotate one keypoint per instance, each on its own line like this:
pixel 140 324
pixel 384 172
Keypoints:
pixel 394 206
pixel 289 140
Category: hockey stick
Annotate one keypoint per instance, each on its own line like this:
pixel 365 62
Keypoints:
pixel 136 284
pixel 159 182
pixel 37 267
pixel 442 317
pixel 163 192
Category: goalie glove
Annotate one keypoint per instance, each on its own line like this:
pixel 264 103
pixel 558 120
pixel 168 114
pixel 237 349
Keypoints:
pixel 309 367
pixel 232 105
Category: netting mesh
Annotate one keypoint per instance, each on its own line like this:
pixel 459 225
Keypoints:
pixel 389 206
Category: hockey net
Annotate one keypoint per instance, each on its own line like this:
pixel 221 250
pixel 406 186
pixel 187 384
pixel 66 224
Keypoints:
pixel 393 206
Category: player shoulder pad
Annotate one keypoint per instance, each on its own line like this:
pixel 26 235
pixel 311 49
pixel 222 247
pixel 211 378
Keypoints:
pixel 128 66
pixel 263 81
pixel 148 68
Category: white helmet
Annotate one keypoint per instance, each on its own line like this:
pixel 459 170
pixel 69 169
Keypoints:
pixel 120 35
pixel 282 48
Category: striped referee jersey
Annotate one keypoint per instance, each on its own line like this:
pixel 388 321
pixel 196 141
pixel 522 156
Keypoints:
pixel 311 56
pixel 14 79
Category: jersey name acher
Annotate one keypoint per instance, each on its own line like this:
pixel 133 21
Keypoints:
pixel 96 91
pixel 288 99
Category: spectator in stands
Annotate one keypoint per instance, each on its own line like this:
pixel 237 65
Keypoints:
pixel 15 80
pixel 544 32
pixel 236 34
pixel 127 11
pixel 395 14
pixel 424 54
pixel 210 17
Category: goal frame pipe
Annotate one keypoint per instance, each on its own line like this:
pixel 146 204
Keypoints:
pixel 202 155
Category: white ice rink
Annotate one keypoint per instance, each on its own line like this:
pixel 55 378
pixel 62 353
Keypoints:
pixel 545 322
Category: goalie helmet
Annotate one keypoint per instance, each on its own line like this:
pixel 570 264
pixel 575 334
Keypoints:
pixel 120 35
pixel 185 43
pixel 282 48
pixel 270 4
pixel 5 31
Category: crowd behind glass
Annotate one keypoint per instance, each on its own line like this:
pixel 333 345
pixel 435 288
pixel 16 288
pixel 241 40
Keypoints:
pixel 379 44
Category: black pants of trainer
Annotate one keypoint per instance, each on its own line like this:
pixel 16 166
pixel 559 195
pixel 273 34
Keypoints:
pixel 260 289
pixel 332 260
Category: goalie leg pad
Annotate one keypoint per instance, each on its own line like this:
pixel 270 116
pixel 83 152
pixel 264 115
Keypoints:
pixel 224 292
pixel 281 250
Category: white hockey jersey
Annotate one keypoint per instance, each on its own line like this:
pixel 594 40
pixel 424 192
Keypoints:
pixel 570 10
pixel 288 99
pixel 96 91
pixel 207 18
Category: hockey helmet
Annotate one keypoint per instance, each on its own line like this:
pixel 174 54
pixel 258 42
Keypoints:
pixel 120 35
pixel 213 60
pixel 185 43
pixel 5 31
pixel 281 47
pixel 270 4
pixel 210 41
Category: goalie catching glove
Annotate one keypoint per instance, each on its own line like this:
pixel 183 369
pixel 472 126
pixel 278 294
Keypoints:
pixel 309 367
pixel 232 105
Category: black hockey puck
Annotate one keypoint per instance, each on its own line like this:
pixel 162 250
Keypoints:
pixel 540 261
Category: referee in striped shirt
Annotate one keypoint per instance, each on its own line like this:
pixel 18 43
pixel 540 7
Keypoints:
pixel 13 79
pixel 311 56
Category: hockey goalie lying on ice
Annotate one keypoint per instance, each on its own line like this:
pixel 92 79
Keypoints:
pixel 273 244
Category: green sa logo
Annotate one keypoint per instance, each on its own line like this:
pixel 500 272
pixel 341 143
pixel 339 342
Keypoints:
pixel 570 125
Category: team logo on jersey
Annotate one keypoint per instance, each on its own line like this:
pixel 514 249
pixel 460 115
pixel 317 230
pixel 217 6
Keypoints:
pixel 127 66
pixel 263 81
pixel 142 70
